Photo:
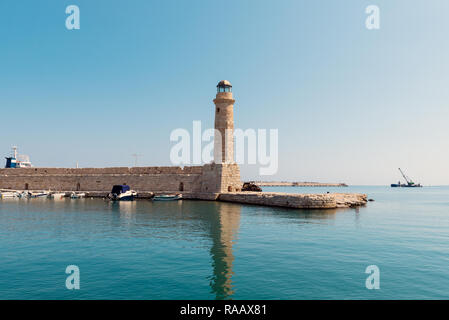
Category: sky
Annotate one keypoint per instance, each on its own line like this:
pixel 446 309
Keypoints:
pixel 350 104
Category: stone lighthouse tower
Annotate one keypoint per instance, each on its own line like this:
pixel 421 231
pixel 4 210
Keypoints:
pixel 224 123
pixel 223 175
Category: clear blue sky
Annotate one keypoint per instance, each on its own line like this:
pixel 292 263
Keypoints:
pixel 350 104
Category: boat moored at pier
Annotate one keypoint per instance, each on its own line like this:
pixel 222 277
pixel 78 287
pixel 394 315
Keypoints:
pixel 75 195
pixel 56 195
pixel 167 197
pixel 8 195
pixel 122 193
pixel 42 194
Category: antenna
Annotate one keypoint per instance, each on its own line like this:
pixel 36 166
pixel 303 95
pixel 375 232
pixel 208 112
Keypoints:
pixel 136 156
pixel 14 151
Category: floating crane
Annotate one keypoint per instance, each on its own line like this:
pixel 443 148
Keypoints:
pixel 410 183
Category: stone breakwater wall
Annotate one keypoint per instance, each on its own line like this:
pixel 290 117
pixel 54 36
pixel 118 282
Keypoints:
pixel 208 178
pixel 219 182
pixel 298 201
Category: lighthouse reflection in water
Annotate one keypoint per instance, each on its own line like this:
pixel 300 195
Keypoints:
pixel 217 221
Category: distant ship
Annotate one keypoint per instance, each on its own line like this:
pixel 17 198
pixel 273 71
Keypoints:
pixel 18 161
pixel 410 183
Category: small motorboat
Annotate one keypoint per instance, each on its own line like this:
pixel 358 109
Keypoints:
pixel 167 197
pixel 8 195
pixel 39 195
pixel 56 195
pixel 75 195
pixel 122 193
pixel 24 195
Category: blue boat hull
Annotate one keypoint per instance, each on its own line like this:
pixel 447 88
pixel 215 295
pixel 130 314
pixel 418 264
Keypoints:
pixel 405 186
pixel 127 198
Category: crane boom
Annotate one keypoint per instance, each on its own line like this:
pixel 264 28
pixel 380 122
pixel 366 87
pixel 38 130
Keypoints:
pixel 405 177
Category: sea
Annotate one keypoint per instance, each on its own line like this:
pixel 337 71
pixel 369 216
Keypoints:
pixel 214 250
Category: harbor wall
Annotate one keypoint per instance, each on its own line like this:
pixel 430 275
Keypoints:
pixel 152 179
pixel 209 182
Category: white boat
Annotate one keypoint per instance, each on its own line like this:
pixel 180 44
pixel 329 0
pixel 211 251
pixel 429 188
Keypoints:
pixel 167 197
pixel 75 195
pixel 24 195
pixel 39 194
pixel 56 195
pixel 18 160
pixel 122 193
pixel 5 195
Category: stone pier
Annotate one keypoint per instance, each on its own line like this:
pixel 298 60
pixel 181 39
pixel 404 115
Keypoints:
pixel 297 201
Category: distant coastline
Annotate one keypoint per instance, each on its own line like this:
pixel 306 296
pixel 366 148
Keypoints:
pixel 297 184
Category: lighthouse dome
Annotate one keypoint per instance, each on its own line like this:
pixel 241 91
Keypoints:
pixel 224 86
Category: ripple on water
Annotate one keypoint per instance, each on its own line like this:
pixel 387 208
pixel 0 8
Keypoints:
pixel 210 250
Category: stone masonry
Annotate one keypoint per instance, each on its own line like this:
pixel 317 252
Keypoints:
pixel 213 178
pixel 224 123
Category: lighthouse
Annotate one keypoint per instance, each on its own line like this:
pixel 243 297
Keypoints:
pixel 224 123
pixel 223 175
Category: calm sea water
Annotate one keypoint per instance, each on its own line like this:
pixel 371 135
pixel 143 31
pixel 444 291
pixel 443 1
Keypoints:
pixel 211 250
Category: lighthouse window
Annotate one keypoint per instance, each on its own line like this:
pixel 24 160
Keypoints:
pixel 224 89
pixel 218 110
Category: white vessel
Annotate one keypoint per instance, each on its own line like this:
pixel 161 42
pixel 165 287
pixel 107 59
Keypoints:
pixel 39 195
pixel 56 195
pixel 75 195
pixel 5 195
pixel 167 197
pixel 24 194
pixel 18 160
pixel 122 193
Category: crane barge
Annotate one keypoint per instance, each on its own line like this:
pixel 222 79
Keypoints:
pixel 410 183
